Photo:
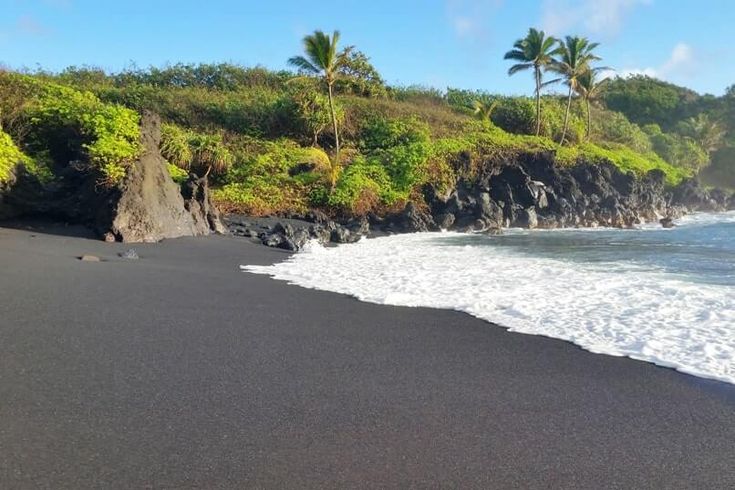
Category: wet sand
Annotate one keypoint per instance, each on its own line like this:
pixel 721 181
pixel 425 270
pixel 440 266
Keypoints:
pixel 179 371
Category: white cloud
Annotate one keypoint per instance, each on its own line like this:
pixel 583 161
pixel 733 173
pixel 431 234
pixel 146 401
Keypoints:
pixel 680 62
pixel 601 17
pixel 470 19
pixel 29 26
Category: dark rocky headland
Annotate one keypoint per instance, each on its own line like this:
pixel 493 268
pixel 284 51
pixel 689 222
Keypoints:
pixel 531 191
pixel 528 191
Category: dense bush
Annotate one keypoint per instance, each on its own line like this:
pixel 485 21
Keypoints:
pixel 646 100
pixel 197 152
pixel 614 127
pixel 257 111
pixel 622 157
pixel 271 176
pixel 359 77
pixel 403 146
pixel 10 156
pixel 363 186
pixel 680 151
pixel 255 125
pixel 71 125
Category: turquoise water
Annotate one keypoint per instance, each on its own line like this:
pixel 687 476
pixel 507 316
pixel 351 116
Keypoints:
pixel 700 249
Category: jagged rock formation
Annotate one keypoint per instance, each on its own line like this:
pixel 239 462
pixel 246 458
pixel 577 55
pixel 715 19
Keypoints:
pixel 533 192
pixel 530 191
pixel 147 207
pixel 150 206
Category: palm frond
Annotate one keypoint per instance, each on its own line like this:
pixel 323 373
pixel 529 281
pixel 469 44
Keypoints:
pixel 303 64
pixel 519 67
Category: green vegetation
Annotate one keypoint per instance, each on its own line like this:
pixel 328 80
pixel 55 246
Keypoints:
pixel 67 126
pixel 336 137
pixel 196 152
pixel 10 156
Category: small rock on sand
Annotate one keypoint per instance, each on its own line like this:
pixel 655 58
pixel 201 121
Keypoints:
pixel 89 258
pixel 129 254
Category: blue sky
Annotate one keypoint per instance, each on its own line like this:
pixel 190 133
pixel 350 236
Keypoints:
pixel 440 43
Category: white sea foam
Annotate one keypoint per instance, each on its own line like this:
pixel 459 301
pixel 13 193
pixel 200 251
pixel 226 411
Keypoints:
pixel 607 308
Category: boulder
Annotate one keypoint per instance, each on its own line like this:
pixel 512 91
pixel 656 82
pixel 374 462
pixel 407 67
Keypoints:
pixel 667 222
pixel 444 220
pixel 410 220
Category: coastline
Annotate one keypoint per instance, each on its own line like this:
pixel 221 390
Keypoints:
pixel 180 370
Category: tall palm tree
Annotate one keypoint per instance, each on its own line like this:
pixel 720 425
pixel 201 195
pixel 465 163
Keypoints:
pixel 575 55
pixel 323 59
pixel 588 87
pixel 533 51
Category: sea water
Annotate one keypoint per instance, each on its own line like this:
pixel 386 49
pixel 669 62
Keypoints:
pixel 665 296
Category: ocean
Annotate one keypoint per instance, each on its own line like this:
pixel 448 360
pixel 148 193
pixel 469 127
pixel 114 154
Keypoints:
pixel 665 296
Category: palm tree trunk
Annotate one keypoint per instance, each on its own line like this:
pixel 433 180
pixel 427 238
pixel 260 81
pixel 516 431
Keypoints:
pixel 566 116
pixel 336 161
pixel 538 100
pixel 589 118
pixel 334 119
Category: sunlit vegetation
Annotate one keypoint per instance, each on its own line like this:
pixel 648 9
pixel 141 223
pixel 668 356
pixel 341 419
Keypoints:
pixel 335 136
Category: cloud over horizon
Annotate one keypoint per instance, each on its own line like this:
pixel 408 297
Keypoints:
pixel 600 17
pixel 680 62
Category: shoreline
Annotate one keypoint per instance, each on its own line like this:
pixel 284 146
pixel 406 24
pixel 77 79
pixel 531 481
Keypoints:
pixel 304 276
pixel 180 370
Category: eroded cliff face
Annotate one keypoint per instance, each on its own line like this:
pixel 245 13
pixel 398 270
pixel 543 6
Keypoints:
pixel 529 191
pixel 147 207
pixel 533 192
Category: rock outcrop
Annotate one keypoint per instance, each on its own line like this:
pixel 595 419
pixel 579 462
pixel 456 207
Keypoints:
pixel 533 192
pixel 295 232
pixel 147 207
pixel 151 206
pixel 530 191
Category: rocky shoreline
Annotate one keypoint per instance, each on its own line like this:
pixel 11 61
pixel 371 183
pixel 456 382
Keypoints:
pixel 529 192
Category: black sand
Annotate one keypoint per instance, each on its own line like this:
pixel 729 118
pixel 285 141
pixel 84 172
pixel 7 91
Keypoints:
pixel 180 371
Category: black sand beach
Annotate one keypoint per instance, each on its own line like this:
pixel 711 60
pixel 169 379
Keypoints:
pixel 179 371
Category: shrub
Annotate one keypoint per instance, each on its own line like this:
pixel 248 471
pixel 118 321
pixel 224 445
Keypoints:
pixel 10 156
pixel 680 151
pixel 260 180
pixel 402 146
pixel 177 173
pixel 517 115
pixel 198 152
pixel 313 111
pixel 363 186
pixel 418 94
pixel 622 157
pixel 614 127
pixel 77 125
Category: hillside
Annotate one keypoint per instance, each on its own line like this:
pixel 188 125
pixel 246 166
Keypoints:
pixel 265 140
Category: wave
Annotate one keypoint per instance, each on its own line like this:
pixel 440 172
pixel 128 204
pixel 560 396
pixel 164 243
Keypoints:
pixel 613 308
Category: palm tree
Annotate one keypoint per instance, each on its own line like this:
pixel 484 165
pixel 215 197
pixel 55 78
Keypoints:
pixel 588 87
pixel 323 59
pixel 534 51
pixel 483 110
pixel 705 130
pixel 575 55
